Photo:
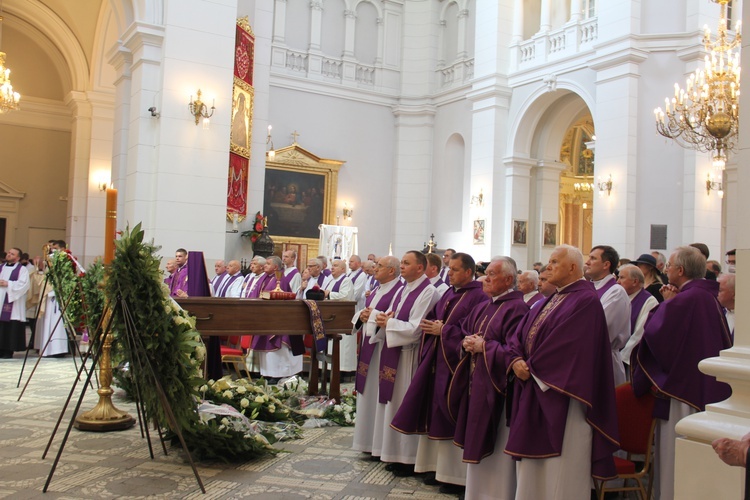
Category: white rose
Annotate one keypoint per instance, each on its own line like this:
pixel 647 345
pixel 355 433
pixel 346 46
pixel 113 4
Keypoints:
pixel 271 408
pixel 241 390
pixel 244 403
pixel 259 399
pixel 228 394
pixel 203 388
pixel 337 408
pixel 224 421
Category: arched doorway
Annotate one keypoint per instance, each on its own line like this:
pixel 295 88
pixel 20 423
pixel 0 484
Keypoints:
pixel 577 184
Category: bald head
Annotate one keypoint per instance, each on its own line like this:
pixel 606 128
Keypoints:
pixel 233 267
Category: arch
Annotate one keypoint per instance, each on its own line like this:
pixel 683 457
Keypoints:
pixel 123 13
pixel 107 35
pixel 378 6
pixel 448 180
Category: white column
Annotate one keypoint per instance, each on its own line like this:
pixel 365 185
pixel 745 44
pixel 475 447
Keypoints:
pixel 349 66
pixel 545 24
pixel 518 205
pixel 575 11
pixel 517 22
pixel 698 472
pixel 314 55
pixel 78 180
pixel 463 17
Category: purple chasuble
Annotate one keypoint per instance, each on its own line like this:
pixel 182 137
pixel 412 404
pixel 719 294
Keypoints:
pixel 168 282
pixel 635 307
pixel 179 281
pixel 424 409
pixel 679 333
pixel 565 343
pixel 534 299
pixel 476 397
pixel 287 278
pixel 368 349
pixel 603 289
pixel 7 305
pixel 390 355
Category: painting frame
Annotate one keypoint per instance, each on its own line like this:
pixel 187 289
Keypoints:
pixel 479 226
pixel 549 234
pixel 519 232
pixel 294 162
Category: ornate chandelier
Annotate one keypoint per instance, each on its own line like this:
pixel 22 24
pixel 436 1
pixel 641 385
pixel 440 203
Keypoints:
pixel 8 98
pixel 705 114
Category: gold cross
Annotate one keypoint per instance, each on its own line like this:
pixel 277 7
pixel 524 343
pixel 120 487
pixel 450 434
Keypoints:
pixel 294 137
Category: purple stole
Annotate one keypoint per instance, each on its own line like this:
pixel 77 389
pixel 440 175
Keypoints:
pixel 227 283
pixel 390 355
pixel 354 276
pixel 218 280
pixel 287 278
pixel 325 272
pixel 438 283
pixel 8 306
pixel 603 289
pixel 368 349
pixel 249 287
pixel 534 299
pixel 635 307
pixel 337 285
pixel 179 280
pixel 258 286
pixel 321 278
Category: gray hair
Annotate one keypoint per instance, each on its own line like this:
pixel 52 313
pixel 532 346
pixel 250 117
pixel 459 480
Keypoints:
pixel 729 278
pixel 508 266
pixel 391 262
pixel 691 260
pixel 574 254
pixel 260 260
pixel 275 261
pixel 660 258
pixel 634 273
pixel 323 260
pixel 532 275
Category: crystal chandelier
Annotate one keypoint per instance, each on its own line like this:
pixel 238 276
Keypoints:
pixel 705 114
pixel 8 98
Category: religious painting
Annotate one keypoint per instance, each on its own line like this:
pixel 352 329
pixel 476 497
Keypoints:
pixel 479 232
pixel 519 232
pixel 242 118
pixel 549 234
pixel 299 195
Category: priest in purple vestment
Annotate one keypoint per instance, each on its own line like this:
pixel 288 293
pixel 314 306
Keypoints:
pixel 179 284
pixel 171 267
pixel 563 425
pixel 424 409
pixel 680 332
pixel 477 393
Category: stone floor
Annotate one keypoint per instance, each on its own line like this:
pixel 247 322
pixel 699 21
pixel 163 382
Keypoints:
pixel 117 464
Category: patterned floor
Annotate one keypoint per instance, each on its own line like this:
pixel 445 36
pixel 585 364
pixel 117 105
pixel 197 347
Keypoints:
pixel 117 464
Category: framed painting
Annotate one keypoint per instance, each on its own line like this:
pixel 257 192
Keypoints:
pixel 242 118
pixel 549 234
pixel 299 195
pixel 519 232
pixel 479 232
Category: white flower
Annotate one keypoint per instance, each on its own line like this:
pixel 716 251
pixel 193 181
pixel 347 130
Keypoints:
pixel 203 388
pixel 200 353
pixel 271 408
pixel 259 399
pixel 225 421
pixel 228 394
pixel 347 418
pixel 241 390
pixel 337 408
pixel 244 402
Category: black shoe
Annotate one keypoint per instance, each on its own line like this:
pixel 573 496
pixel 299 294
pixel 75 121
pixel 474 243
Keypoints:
pixel 429 479
pixel 452 489
pixel 391 466
pixel 373 458
pixel 403 470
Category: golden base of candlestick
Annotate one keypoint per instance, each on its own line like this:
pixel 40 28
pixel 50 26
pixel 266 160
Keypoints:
pixel 105 416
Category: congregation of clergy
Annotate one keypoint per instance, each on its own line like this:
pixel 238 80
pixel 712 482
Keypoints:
pixel 500 386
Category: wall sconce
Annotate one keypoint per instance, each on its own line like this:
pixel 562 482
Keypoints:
pixel 712 185
pixel 269 143
pixel 605 186
pixel 583 187
pixel 347 212
pixel 478 200
pixel 199 110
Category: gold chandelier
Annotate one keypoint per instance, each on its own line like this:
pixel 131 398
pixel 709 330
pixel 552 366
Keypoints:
pixel 8 98
pixel 705 114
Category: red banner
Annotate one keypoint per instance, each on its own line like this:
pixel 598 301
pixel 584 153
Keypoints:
pixel 237 185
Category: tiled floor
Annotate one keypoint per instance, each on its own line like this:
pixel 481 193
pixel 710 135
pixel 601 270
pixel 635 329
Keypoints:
pixel 117 465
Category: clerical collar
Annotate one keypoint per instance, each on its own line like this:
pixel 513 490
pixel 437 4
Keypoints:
pixel 10 265
pixel 506 292
pixel 600 283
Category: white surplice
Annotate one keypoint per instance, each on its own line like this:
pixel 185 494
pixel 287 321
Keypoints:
pixel 348 343
pixel 640 322
pixel 50 325
pixel 616 304
pixel 494 478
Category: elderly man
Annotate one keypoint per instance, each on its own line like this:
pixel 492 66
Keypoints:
pixel 256 269
pixel 324 265
pixel 221 273
pixel 694 321
pixel 446 265
pixel 340 287
pixel 477 391
pixel 563 426
pixel 316 279
pixel 171 267
pixel 359 279
pixel 433 273
pixel 661 261
pixel 401 332
pixel 528 285
pixel 387 273
pixel 14 283
pixel 600 268
pixel 641 302
pixel 179 286
pixel 726 299
pixel 279 355
pixel 292 278
pixel 231 285
pixel 371 282
pixel 424 410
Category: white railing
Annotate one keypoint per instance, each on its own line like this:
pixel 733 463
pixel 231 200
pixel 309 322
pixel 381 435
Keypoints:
pixel 589 31
pixel 365 74
pixel 331 68
pixel 527 51
pixel 564 42
pixel 457 74
pixel 557 41
pixel 296 61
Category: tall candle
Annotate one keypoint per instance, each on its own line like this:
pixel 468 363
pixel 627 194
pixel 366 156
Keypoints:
pixel 110 225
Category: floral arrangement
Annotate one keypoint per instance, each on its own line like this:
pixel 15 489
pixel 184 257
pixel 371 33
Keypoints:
pixel 257 229
pixel 77 291
pixel 254 399
pixel 345 413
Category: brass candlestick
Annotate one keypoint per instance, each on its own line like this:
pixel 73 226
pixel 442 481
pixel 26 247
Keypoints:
pixel 105 416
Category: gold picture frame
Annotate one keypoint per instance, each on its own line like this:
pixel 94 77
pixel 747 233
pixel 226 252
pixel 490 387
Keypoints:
pixel 293 201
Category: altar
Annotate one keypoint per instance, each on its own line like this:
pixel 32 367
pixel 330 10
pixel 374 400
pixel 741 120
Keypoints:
pixel 221 317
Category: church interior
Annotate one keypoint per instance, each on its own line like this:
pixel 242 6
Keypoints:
pixel 502 127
